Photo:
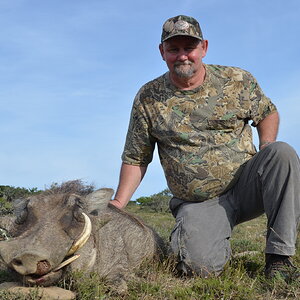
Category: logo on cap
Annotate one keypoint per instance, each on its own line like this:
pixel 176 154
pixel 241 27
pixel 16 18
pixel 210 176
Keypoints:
pixel 181 25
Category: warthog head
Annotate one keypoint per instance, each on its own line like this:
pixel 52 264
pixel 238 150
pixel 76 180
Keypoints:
pixel 47 232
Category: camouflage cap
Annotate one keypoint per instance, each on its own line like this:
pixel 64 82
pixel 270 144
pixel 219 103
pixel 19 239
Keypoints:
pixel 181 25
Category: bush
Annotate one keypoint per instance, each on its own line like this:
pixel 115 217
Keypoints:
pixel 10 193
pixel 157 202
pixel 5 207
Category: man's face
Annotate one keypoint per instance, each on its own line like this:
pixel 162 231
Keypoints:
pixel 183 55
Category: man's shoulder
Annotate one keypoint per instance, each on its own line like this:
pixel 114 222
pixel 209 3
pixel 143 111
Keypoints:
pixel 152 88
pixel 154 83
pixel 229 72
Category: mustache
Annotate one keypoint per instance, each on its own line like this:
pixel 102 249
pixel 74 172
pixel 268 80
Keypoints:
pixel 184 63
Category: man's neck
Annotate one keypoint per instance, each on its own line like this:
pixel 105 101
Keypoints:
pixel 189 83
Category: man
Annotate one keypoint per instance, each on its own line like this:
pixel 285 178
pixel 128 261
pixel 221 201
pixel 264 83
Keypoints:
pixel 198 116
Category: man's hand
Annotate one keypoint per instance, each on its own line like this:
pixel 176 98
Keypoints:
pixel 130 178
pixel 116 203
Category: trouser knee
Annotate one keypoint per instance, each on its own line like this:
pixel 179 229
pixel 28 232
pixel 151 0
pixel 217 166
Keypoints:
pixel 283 152
pixel 197 251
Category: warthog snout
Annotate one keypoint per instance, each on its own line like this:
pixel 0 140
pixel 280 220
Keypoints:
pixel 29 263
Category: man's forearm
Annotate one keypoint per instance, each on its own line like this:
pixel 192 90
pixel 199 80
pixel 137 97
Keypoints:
pixel 268 130
pixel 130 178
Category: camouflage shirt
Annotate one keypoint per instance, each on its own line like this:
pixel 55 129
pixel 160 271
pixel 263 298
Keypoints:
pixel 203 135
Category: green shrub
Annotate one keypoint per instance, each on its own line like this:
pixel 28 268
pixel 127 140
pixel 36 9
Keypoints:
pixel 157 202
pixel 10 193
pixel 5 207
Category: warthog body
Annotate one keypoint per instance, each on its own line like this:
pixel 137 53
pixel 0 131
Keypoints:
pixel 48 225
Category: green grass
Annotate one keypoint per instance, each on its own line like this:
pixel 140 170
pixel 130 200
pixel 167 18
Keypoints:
pixel 242 278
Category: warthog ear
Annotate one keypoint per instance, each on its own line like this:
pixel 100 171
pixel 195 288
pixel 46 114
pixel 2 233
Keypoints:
pixel 20 210
pixel 99 199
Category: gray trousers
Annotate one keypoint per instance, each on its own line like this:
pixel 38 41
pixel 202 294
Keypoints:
pixel 270 183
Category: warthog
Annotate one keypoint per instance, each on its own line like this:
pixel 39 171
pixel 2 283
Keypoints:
pixel 56 232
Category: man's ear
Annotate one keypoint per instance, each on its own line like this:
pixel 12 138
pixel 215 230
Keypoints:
pixel 204 45
pixel 161 49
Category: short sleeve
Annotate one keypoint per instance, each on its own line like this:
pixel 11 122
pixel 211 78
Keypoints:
pixel 261 106
pixel 139 145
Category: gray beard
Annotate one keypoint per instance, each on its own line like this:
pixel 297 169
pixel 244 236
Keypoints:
pixel 182 71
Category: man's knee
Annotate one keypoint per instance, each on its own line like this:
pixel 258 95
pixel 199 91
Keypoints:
pixel 283 151
pixel 197 253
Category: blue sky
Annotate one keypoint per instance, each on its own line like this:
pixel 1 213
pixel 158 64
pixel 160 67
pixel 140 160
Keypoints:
pixel 69 71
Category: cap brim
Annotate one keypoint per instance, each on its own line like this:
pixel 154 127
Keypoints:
pixel 182 34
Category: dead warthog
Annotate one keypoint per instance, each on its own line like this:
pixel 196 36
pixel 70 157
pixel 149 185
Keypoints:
pixel 59 231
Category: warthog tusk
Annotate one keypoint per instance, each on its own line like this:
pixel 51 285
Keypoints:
pixel 66 262
pixel 84 236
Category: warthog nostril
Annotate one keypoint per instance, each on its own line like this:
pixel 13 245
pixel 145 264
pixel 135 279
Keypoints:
pixel 17 262
pixel 43 267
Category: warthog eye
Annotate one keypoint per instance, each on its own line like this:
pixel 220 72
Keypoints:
pixel 77 204
pixel 78 215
